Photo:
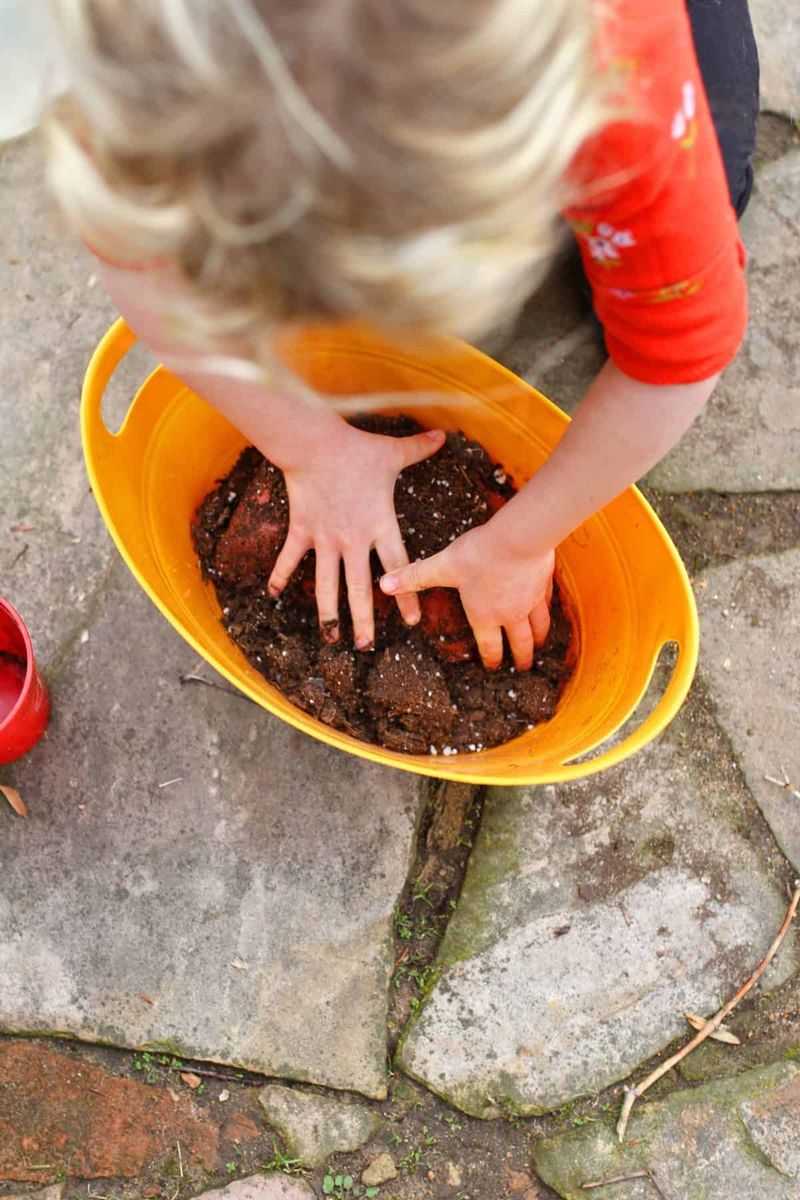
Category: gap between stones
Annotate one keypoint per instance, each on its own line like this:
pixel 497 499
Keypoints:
pixel 711 528
pixel 446 832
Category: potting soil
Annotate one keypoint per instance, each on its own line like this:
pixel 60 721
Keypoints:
pixel 422 690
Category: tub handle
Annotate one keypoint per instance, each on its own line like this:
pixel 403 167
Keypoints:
pixel 110 351
pixel 667 707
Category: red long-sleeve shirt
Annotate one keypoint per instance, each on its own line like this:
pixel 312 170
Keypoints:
pixel 656 229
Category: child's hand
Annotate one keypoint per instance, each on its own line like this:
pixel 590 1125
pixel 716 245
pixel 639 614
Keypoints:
pixel 501 588
pixel 341 505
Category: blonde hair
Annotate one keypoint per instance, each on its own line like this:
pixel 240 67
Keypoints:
pixel 397 160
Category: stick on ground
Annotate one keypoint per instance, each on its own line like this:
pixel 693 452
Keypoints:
pixel 633 1094
pixel 596 1183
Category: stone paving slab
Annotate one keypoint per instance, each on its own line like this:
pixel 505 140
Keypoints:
pixel 777 29
pixel 52 317
pixel 269 850
pixel 592 916
pixel 242 913
pixel 737 1138
pixel 748 436
pixel 749 653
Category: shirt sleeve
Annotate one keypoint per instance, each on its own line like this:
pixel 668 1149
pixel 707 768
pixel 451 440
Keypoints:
pixel 657 233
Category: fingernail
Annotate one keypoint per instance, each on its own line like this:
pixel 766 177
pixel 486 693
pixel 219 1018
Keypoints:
pixel 273 591
pixel 364 643
pixel 434 433
pixel 414 619
pixel 389 584
pixel 330 631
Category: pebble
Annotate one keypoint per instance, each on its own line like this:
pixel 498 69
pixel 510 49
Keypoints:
pixel 380 1170
pixel 453 1175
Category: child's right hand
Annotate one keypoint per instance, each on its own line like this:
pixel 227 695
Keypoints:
pixel 341 506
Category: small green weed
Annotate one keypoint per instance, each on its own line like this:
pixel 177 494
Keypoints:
pixel 156 1068
pixel 341 1187
pixel 423 976
pixel 403 924
pixel 411 1160
pixel 421 891
pixel 149 1065
pixel 282 1162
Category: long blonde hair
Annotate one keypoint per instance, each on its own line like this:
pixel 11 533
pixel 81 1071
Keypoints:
pixel 397 160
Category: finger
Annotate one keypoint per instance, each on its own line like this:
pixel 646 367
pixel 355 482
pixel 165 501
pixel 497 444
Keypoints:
pixel 540 623
pixel 424 573
pixel 520 639
pixel 287 562
pixel 327 588
pixel 548 596
pixel 359 597
pixel 490 644
pixel 393 556
pixel 420 446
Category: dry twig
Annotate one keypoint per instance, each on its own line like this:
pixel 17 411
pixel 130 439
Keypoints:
pixel 632 1094
pixel 20 554
pixel 784 783
pixel 191 677
pixel 596 1183
pixel 216 1075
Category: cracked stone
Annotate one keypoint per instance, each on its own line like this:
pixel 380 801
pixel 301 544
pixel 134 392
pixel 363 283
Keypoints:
pixel 545 995
pixel 314 1127
pixel 80 1119
pixel 752 605
pixel 738 1137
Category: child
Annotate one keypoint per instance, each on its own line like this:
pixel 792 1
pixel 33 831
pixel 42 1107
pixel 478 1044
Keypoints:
pixel 258 163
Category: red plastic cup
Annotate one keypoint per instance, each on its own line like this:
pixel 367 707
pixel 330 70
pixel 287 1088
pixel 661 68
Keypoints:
pixel 24 699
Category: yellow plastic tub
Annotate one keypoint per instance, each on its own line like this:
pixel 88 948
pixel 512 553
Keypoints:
pixel 627 589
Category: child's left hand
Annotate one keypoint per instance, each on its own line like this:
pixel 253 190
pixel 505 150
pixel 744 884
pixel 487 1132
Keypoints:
pixel 501 589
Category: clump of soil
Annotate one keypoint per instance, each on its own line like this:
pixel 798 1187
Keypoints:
pixel 421 690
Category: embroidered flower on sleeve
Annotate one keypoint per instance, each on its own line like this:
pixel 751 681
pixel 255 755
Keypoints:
pixel 606 242
pixel 684 121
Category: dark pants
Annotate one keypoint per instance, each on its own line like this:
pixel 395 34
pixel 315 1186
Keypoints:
pixel 728 58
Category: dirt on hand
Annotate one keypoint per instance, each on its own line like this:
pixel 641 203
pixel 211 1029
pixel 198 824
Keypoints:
pixel 422 690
